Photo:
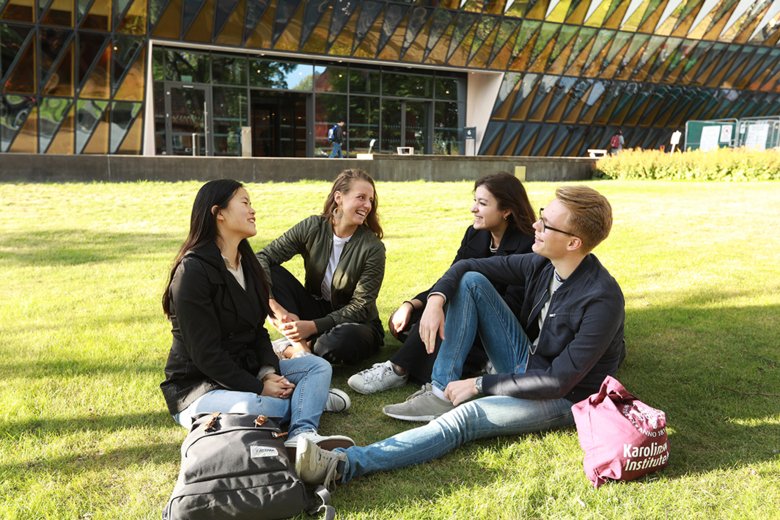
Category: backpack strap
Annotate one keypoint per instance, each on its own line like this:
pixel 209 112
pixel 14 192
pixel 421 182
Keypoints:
pixel 321 504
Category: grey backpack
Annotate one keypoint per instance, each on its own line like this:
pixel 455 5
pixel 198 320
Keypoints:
pixel 236 466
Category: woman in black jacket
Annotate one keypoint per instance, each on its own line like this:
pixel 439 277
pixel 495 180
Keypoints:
pixel 503 220
pixel 221 359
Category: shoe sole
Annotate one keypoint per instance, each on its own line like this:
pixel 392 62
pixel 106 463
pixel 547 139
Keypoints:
pixel 325 444
pixel 369 392
pixel 345 404
pixel 410 418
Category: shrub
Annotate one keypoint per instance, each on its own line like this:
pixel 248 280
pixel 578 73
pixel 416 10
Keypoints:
pixel 724 164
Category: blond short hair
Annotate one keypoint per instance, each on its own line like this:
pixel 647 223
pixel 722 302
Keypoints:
pixel 590 214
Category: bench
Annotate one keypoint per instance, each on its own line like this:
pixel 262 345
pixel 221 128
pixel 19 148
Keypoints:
pixel 596 152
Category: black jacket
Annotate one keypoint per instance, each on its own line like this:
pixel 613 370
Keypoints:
pixel 582 339
pixel 476 244
pixel 218 336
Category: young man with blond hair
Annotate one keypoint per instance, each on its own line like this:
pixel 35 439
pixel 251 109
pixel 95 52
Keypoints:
pixel 569 337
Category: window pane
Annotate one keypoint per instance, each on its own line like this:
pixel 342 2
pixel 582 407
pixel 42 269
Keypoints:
pixel 279 74
pixel 51 114
pixel 158 64
pixel 124 57
pixel 331 79
pixel 329 109
pixel 445 134
pixel 403 85
pixel 363 122
pixel 364 81
pixel 93 64
pixel 60 13
pixel 123 115
pixel 15 111
pixel 391 125
pixel 187 67
pixel 229 69
pixel 230 114
pixel 446 88
pixel 88 117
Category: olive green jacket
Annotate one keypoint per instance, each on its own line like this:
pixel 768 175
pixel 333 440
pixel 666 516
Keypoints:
pixel 358 276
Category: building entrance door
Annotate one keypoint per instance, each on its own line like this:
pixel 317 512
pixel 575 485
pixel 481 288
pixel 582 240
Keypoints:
pixel 406 123
pixel 280 124
pixel 187 119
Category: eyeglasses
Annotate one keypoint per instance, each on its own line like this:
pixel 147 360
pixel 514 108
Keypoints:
pixel 545 226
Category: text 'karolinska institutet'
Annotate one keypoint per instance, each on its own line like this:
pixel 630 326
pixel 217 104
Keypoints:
pixel 544 77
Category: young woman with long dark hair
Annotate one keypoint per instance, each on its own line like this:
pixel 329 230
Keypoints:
pixel 503 220
pixel 221 359
pixel 333 314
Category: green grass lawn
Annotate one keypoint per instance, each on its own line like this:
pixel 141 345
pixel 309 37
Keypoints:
pixel 84 432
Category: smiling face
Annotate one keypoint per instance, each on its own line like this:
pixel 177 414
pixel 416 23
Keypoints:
pixel 549 242
pixel 355 204
pixel 238 218
pixel 487 215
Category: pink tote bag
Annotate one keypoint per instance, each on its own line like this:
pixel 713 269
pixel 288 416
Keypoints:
pixel 622 437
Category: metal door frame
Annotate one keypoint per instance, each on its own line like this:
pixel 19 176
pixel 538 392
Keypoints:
pixel 208 122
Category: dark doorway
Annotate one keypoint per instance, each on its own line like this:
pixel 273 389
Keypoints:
pixel 279 124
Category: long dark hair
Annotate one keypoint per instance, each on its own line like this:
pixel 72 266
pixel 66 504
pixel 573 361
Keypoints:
pixel 342 184
pixel 510 195
pixel 203 229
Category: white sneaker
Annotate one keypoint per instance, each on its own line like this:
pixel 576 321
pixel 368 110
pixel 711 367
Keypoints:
pixel 378 378
pixel 338 401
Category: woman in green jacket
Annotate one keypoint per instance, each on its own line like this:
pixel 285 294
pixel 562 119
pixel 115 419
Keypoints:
pixel 333 314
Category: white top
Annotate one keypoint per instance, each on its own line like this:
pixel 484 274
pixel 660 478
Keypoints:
pixel 335 255
pixel 237 273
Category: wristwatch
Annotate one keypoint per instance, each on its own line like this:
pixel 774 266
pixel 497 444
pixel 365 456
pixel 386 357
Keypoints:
pixel 478 384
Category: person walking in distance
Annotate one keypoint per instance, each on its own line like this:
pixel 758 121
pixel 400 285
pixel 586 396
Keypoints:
pixel 336 137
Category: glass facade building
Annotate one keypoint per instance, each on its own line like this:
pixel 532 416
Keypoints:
pixel 534 77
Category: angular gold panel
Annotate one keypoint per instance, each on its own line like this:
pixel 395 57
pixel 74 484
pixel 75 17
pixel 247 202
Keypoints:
pixel 134 21
pixel 60 82
pixel 558 13
pixel 99 17
pixel 368 46
pixel 291 36
pixel 98 142
pixel 577 14
pixel 21 79
pixel 19 11
pixel 262 34
pixel 345 39
pixel 26 140
pixel 169 24
pixel 97 84
pixel 132 87
pixel 203 26
pixel 133 141
pixel 232 33
pixel 392 49
pixel 62 143
pixel 60 13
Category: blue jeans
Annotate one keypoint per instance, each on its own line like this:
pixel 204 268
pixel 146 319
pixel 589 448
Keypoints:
pixel 336 152
pixel 476 306
pixel 311 376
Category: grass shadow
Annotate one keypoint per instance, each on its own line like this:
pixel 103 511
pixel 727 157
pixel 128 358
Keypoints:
pixel 96 424
pixel 63 247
